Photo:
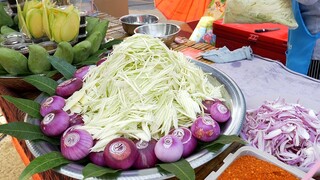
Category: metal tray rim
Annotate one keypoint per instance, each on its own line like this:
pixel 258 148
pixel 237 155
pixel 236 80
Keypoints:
pixel 75 170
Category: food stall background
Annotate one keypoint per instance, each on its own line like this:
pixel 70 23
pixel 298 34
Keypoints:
pixel 11 164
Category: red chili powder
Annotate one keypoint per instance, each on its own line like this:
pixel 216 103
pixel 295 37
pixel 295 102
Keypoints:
pixel 250 167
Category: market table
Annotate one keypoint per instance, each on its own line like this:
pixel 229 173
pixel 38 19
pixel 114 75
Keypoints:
pixel 115 31
pixel 259 79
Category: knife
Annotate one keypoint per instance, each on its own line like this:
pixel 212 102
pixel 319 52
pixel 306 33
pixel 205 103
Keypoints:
pixel 266 30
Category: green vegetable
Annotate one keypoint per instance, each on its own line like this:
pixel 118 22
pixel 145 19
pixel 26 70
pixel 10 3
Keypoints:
pixel 26 131
pixel 38 59
pixel 101 27
pixel 64 51
pixel 222 140
pixel 142 91
pixel 43 163
pixel 5 19
pixel 182 169
pixel 92 170
pixel 16 20
pixel 95 39
pixel 43 83
pixel 91 23
pixel 81 51
pixel 65 68
pixel 1 39
pixel 30 107
pixel 2 70
pixel 13 61
pixel 7 30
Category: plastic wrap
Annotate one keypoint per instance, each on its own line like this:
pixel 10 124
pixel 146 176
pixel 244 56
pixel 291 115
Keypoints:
pixel 260 11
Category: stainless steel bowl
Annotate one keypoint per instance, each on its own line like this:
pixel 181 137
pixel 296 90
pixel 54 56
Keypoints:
pixel 234 99
pixel 131 21
pixel 165 31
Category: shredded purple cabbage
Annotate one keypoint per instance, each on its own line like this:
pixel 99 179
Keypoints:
pixel 290 132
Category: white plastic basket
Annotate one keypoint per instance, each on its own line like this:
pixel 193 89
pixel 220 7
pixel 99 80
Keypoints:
pixel 247 150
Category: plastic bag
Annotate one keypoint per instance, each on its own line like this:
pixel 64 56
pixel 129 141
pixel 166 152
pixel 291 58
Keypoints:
pixel 203 30
pixel 260 11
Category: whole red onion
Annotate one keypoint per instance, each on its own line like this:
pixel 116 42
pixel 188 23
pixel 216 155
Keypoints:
pixel 81 72
pixel 51 104
pixel 68 87
pixel 169 148
pixel 55 123
pixel 120 153
pixel 146 158
pixel 102 60
pixel 97 158
pixel 75 144
pixel 188 140
pixel 205 129
pixel 220 112
pixel 207 104
pixel 75 119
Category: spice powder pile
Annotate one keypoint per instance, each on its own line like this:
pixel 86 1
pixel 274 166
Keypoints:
pixel 250 167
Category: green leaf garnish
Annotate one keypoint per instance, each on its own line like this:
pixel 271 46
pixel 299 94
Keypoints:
pixel 92 170
pixel 30 107
pixel 221 141
pixel 182 169
pixel 110 44
pixel 43 163
pixel 65 68
pixel 42 83
pixel 26 131
pixel 51 73
pixel 93 59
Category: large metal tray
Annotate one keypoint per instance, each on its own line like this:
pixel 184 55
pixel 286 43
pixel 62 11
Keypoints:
pixel 234 99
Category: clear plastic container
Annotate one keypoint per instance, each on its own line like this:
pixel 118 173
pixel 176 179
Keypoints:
pixel 247 150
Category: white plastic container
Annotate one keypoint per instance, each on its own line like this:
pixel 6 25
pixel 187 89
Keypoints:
pixel 247 150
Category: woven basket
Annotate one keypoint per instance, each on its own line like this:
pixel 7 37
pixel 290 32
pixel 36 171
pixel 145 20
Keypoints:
pixel 17 84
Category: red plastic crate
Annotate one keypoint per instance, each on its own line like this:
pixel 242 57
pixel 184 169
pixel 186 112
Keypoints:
pixel 271 44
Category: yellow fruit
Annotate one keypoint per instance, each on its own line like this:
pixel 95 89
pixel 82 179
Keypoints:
pixel 70 30
pixel 57 24
pixel 34 23
pixel 22 23
pixel 29 5
pixel 45 21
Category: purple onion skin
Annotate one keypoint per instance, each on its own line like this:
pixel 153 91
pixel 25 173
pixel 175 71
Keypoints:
pixel 146 158
pixel 207 104
pixel 68 87
pixel 51 104
pixel 205 129
pixel 55 123
pixel 220 112
pixel 101 61
pixel 97 158
pixel 169 149
pixel 76 119
pixel 120 153
pixel 75 144
pixel 81 72
pixel 188 140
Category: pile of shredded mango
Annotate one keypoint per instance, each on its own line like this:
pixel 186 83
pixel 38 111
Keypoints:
pixel 142 91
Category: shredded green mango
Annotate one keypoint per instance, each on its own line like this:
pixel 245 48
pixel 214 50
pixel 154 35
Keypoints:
pixel 142 91
pixel 260 11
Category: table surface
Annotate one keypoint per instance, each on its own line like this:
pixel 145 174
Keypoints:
pixel 115 31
